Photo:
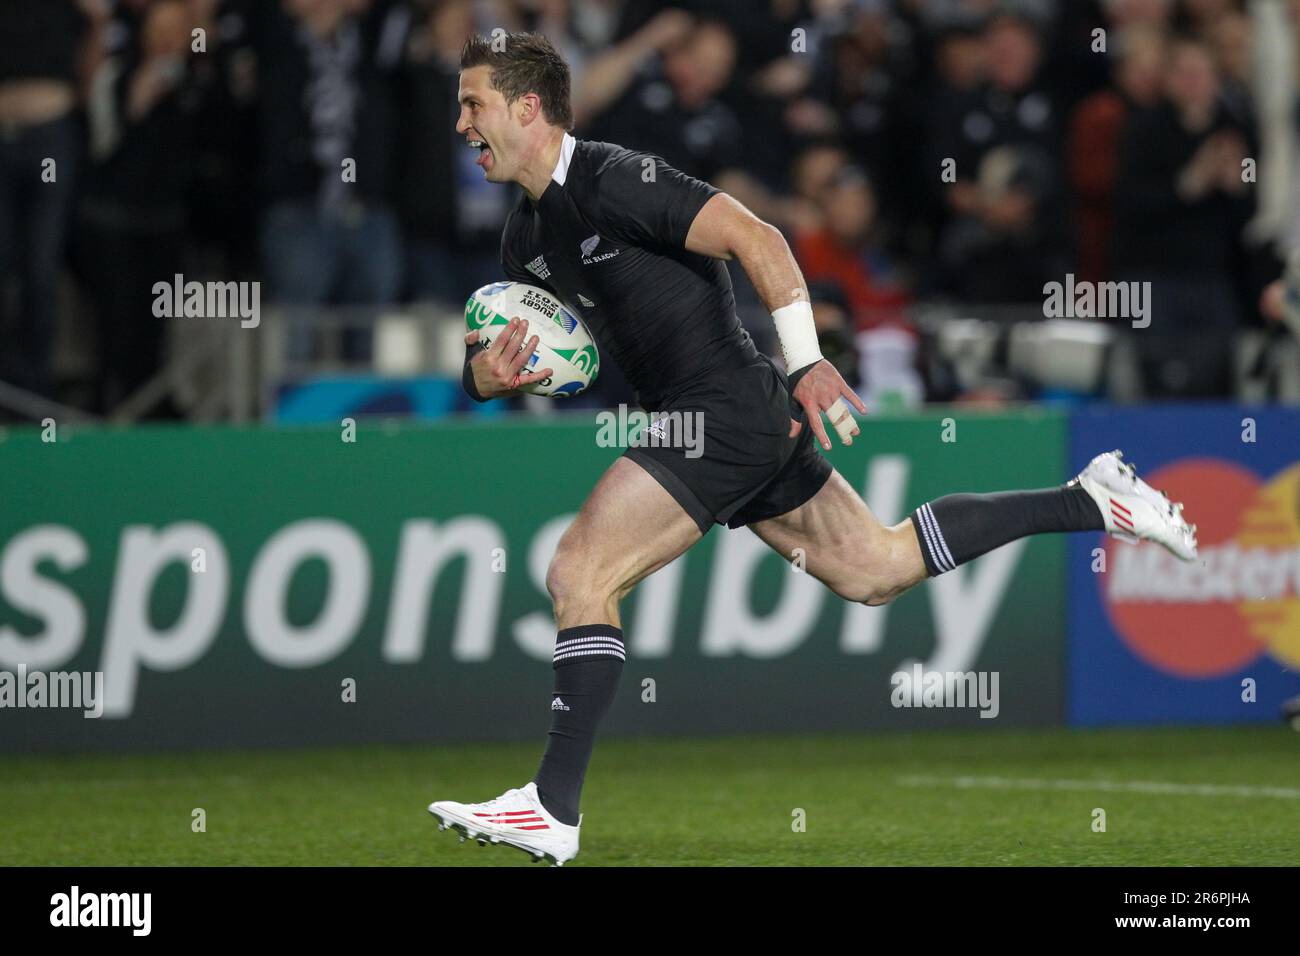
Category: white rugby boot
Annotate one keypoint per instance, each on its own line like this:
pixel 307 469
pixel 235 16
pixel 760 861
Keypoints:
pixel 516 818
pixel 1132 509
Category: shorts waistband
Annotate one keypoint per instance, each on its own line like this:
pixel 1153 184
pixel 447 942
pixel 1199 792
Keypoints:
pixel 733 361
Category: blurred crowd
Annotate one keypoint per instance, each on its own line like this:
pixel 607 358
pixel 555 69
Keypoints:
pixel 911 150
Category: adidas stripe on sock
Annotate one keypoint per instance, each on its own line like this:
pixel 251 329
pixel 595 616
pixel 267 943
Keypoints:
pixel 600 645
pixel 588 663
pixel 955 529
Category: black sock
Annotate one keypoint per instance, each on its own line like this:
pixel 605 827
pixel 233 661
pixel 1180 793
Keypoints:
pixel 956 528
pixel 588 663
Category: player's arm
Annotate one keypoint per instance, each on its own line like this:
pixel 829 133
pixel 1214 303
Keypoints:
pixel 725 229
pixel 494 371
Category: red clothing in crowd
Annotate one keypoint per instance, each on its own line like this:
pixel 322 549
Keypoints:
pixel 1093 166
pixel 873 296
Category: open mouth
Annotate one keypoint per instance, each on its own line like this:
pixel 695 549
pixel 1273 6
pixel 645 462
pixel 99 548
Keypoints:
pixel 485 152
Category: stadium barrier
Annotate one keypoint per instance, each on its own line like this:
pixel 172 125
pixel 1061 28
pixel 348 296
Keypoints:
pixel 282 586
pixel 288 586
pixel 1154 640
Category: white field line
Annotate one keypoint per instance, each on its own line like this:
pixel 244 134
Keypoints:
pixel 1109 786
pixel 109 783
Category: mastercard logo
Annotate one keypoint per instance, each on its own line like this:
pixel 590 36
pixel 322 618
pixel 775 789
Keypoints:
pixel 1239 600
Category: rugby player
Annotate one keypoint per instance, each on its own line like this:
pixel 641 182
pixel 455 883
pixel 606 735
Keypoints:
pixel 637 249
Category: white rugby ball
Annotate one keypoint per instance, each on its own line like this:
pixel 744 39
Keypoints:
pixel 563 343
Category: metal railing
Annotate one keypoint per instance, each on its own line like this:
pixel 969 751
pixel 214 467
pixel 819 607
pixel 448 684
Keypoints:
pixel 219 370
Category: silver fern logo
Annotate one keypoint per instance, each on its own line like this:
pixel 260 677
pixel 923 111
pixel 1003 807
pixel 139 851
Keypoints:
pixel 588 246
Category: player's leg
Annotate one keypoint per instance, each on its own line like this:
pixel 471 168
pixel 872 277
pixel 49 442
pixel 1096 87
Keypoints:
pixel 860 559
pixel 848 549
pixel 1106 496
pixel 628 528
pixel 845 546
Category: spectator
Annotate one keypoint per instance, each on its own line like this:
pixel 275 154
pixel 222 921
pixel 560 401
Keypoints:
pixel 1229 37
pixel 144 110
pixel 812 173
pixel 1013 113
pixel 875 109
pixel 955 55
pixel 452 215
pixel 844 250
pixel 1199 17
pixel 40 147
pixel 1011 109
pixel 589 33
pixel 816 169
pixel 223 207
pixel 326 106
pixel 1009 244
pixel 1181 204
pixel 960 60
pixel 883 101
pixel 610 74
pixel 1123 14
pixel 676 110
pixel 1093 153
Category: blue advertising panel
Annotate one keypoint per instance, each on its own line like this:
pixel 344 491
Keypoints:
pixel 1156 640
pixel 325 399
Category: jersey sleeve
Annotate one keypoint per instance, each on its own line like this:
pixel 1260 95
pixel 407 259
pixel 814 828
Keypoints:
pixel 644 201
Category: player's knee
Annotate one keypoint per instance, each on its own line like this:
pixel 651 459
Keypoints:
pixel 571 578
pixel 864 589
pixel 889 568
pixel 871 579
pixel 879 596
pixel 561 577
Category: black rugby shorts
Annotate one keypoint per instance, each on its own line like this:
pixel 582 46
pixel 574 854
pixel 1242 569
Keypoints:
pixel 748 468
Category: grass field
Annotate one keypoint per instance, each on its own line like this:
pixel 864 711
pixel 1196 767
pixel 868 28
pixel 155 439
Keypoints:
pixel 1179 797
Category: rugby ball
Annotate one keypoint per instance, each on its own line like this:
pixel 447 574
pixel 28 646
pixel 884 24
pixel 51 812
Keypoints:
pixel 563 343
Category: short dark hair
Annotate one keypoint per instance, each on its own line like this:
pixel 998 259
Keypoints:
pixel 524 63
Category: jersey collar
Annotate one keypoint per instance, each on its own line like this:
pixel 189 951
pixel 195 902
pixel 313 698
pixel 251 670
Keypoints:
pixel 561 172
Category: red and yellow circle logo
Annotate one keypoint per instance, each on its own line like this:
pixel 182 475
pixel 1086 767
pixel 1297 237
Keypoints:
pixel 1239 599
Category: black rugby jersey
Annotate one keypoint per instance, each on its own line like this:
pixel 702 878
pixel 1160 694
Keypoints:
pixel 608 239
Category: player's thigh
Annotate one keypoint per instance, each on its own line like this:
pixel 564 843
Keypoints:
pixel 843 544
pixel 628 527
pixel 827 529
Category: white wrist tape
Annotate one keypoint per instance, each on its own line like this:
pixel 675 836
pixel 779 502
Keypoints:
pixel 798 335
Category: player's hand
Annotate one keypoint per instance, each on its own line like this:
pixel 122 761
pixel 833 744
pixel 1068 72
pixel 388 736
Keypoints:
pixel 822 390
pixel 497 369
